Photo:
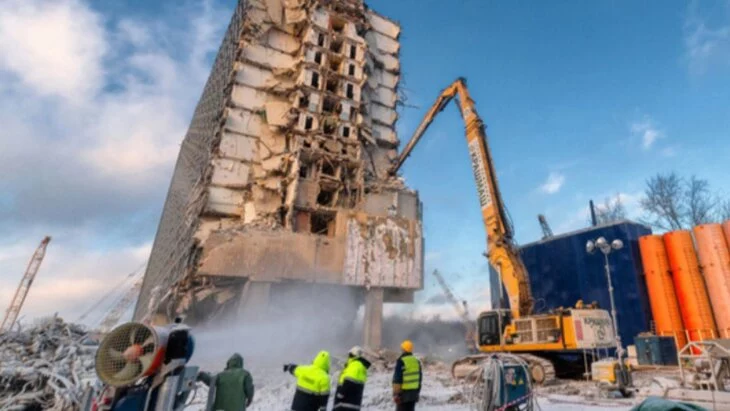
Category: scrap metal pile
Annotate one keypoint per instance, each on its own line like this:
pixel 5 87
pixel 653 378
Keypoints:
pixel 45 367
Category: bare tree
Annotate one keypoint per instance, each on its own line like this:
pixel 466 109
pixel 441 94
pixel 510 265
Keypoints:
pixel 673 203
pixel 701 204
pixel 611 210
pixel 723 212
pixel 663 202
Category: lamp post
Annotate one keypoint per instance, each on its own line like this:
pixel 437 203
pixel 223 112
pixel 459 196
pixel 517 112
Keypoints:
pixel 606 248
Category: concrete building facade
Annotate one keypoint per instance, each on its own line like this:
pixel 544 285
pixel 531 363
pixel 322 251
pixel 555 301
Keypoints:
pixel 282 180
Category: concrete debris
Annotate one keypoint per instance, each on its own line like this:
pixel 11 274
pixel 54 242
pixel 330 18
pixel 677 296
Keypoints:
pixel 45 367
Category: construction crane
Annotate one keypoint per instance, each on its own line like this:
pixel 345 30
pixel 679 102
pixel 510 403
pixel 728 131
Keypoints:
pixel 547 232
pixel 538 339
pixel 112 318
pixel 11 315
pixel 461 310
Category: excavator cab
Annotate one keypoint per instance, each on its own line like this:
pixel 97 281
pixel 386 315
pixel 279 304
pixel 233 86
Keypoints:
pixel 491 326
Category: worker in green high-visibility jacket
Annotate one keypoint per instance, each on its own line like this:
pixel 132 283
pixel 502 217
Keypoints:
pixel 407 379
pixel 313 383
pixel 351 383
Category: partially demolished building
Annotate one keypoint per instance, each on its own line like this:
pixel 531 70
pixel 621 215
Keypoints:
pixel 282 186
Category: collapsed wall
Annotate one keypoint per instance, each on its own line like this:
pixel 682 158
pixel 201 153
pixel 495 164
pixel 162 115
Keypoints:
pixel 283 176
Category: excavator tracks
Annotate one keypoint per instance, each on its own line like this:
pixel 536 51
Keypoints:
pixel 542 370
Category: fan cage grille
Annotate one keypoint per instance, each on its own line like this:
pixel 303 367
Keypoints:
pixel 111 365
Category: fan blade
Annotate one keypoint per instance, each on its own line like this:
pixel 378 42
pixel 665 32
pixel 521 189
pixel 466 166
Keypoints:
pixel 148 341
pixel 133 335
pixel 115 355
pixel 130 371
pixel 146 361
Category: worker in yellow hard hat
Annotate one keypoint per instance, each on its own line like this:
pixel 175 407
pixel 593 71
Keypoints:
pixel 351 384
pixel 407 379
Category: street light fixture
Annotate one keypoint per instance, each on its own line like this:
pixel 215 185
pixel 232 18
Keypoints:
pixel 606 248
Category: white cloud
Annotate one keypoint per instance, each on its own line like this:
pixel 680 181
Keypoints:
pixel 707 44
pixel 53 47
pixel 93 107
pixel 553 184
pixel 647 130
pixel 112 150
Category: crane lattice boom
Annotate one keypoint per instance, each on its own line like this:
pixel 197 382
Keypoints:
pixel 11 315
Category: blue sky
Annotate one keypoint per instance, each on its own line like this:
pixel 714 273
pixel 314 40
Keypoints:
pixel 582 100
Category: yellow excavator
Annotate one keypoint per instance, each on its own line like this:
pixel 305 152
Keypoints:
pixel 555 341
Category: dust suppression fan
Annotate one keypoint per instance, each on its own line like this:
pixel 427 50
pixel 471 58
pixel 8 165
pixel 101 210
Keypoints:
pixel 130 352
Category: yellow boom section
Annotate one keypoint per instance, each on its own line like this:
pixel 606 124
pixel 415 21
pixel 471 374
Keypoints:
pixel 502 253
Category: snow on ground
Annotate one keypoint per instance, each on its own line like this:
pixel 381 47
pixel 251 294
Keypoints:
pixel 275 389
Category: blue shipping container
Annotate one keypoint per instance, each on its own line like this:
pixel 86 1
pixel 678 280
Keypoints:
pixel 562 272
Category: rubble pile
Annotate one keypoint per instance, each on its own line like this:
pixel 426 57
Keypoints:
pixel 45 367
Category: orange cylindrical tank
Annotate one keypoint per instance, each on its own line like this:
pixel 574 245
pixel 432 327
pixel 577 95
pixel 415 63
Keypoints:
pixel 694 304
pixel 726 229
pixel 715 264
pixel 659 283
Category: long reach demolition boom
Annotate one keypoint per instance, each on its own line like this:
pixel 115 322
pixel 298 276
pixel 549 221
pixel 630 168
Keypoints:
pixel 502 252
pixel 540 339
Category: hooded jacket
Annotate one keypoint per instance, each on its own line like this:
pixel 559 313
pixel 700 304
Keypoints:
pixel 313 384
pixel 232 389
pixel 351 384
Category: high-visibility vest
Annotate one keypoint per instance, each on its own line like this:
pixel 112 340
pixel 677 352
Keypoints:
pixel 313 388
pixel 350 385
pixel 411 373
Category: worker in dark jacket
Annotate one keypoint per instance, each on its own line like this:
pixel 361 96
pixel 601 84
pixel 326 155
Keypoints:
pixel 232 389
pixel 407 379
pixel 313 383
pixel 351 383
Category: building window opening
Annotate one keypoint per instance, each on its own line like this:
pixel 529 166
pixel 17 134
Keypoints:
pixel 345 131
pixel 328 168
pixel 315 79
pixel 320 40
pixel 329 105
pixel 350 91
pixel 329 127
pixel 353 52
pixel 304 101
pixel 336 46
pixel 318 57
pixel 323 224
pixel 351 70
pixel 308 123
pixel 304 171
pixel 331 85
pixel 325 197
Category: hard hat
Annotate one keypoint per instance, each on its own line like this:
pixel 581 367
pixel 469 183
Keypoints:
pixel 407 346
pixel 356 351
